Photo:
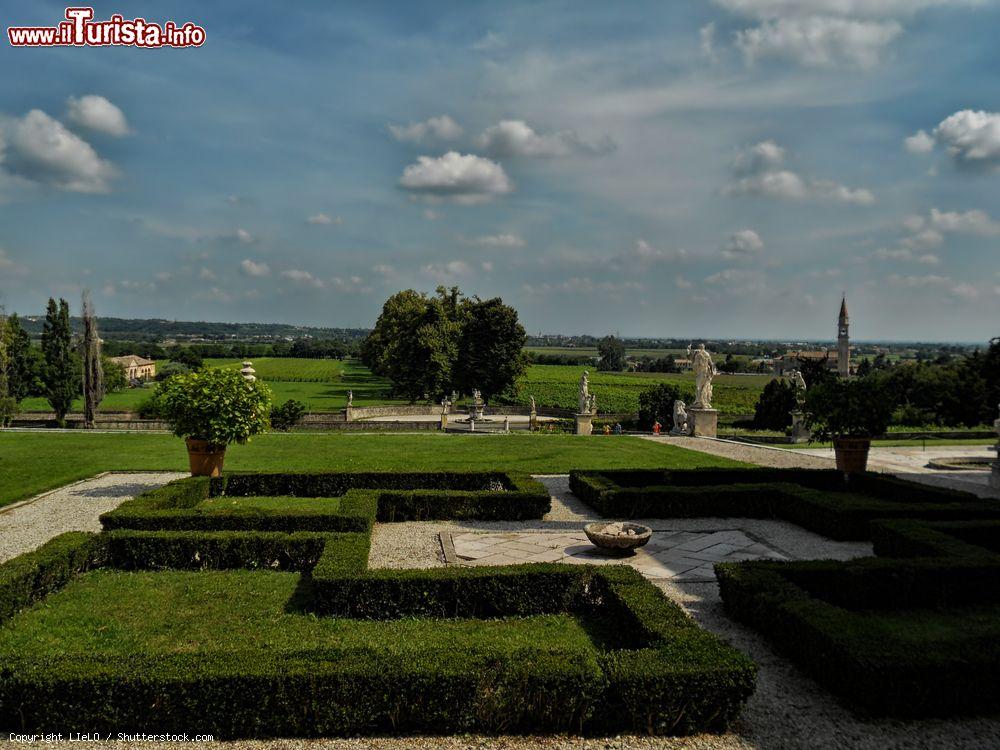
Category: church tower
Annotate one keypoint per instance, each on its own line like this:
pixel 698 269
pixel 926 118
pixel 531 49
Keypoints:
pixel 843 341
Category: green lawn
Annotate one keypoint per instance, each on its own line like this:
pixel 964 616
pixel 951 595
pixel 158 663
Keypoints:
pixel 929 443
pixel 112 612
pixel 32 462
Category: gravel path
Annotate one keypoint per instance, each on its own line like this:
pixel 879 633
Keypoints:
pixel 777 458
pixel 75 507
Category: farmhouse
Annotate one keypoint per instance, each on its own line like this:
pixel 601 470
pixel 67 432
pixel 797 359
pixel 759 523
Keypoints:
pixel 136 367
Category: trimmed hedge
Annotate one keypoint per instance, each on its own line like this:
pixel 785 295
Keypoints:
pixel 214 550
pixel 905 538
pixel 823 615
pixel 816 500
pixel 34 575
pixel 364 496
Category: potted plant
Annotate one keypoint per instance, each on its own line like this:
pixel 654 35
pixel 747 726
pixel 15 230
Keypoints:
pixel 211 409
pixel 850 413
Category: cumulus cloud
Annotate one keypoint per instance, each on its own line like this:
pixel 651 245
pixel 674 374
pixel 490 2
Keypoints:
pixel 498 240
pixel 972 138
pixel 819 42
pixel 40 149
pixel 906 255
pixel 441 128
pixel 933 281
pixel 97 113
pixel 975 222
pixel 858 8
pixel 642 255
pixel 919 143
pixel 706 39
pixel 463 178
pixel 448 271
pixel 257 270
pixel 517 138
pixel 324 219
pixel 585 285
pixel 302 277
pixel 742 244
pixel 760 170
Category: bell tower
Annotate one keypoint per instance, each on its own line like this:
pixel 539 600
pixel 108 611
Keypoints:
pixel 843 341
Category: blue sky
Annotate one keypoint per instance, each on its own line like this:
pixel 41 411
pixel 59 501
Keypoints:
pixel 720 168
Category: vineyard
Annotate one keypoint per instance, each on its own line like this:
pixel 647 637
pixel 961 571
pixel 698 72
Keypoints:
pixel 288 370
pixel 556 386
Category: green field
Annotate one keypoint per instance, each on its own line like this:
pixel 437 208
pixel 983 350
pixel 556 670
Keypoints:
pixel 321 384
pixel 557 386
pixel 591 351
pixel 32 462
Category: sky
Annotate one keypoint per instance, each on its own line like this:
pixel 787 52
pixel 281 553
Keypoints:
pixel 723 168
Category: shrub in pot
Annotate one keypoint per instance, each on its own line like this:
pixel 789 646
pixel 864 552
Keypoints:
pixel 211 409
pixel 850 413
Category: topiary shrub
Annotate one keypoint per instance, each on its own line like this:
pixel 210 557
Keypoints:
pixel 288 415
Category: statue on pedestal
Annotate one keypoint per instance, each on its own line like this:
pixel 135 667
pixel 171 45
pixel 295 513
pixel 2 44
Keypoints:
pixel 680 418
pixel 583 397
pixel 350 399
pixel 704 371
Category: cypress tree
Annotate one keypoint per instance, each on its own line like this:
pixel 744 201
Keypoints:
pixel 61 376
pixel 93 372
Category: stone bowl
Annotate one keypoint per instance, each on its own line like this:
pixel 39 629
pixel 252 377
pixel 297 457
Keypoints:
pixel 618 544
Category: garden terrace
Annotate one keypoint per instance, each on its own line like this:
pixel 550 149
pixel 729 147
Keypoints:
pixel 152 630
pixel 818 500
pixel 330 501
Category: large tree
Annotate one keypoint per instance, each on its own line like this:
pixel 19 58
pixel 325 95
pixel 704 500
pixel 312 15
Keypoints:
pixel 22 370
pixel 62 373
pixel 93 370
pixel 430 345
pixel 612 352
pixel 490 356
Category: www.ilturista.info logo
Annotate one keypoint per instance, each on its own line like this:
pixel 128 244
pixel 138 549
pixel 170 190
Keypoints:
pixel 81 30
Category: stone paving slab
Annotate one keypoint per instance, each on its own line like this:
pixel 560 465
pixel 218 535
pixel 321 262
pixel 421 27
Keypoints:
pixel 674 554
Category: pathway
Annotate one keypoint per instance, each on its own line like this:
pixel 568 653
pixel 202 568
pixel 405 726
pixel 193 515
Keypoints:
pixel 75 507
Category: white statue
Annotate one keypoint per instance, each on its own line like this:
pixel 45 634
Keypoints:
pixel 704 371
pixel 592 406
pixel 583 397
pixel 350 399
pixel 800 386
pixel 532 404
pixel 680 418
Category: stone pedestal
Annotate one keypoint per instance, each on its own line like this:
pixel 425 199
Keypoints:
pixel 349 414
pixel 444 420
pixel 799 432
pixel 533 422
pixel 703 422
pixel 584 424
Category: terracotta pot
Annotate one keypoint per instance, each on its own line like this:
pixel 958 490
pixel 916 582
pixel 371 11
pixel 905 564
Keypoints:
pixel 852 454
pixel 206 458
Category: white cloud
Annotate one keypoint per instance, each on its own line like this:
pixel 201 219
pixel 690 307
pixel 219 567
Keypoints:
pixel 324 219
pixel 706 39
pixel 733 277
pixel 919 143
pixel 441 128
pixel 250 268
pixel 498 240
pixel 463 178
pixel 243 236
pixel 905 255
pixel 517 138
pixel 577 285
pixel 206 274
pixel 742 244
pixel 972 138
pixel 975 222
pixel 858 8
pixel 643 254
pixel 41 149
pixel 819 42
pixel 490 41
pixel 681 283
pixel 933 281
pixel 97 113
pixel 302 277
pixel 445 272
pixel 487 266
pixel 431 215
pixel 759 170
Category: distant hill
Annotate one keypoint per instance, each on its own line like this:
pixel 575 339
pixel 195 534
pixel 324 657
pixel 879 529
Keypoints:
pixel 155 329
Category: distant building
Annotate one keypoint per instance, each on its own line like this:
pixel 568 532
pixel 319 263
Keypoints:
pixel 840 361
pixel 136 367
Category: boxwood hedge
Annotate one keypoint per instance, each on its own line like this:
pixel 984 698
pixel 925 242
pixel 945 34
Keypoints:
pixel 817 500
pixel 364 496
